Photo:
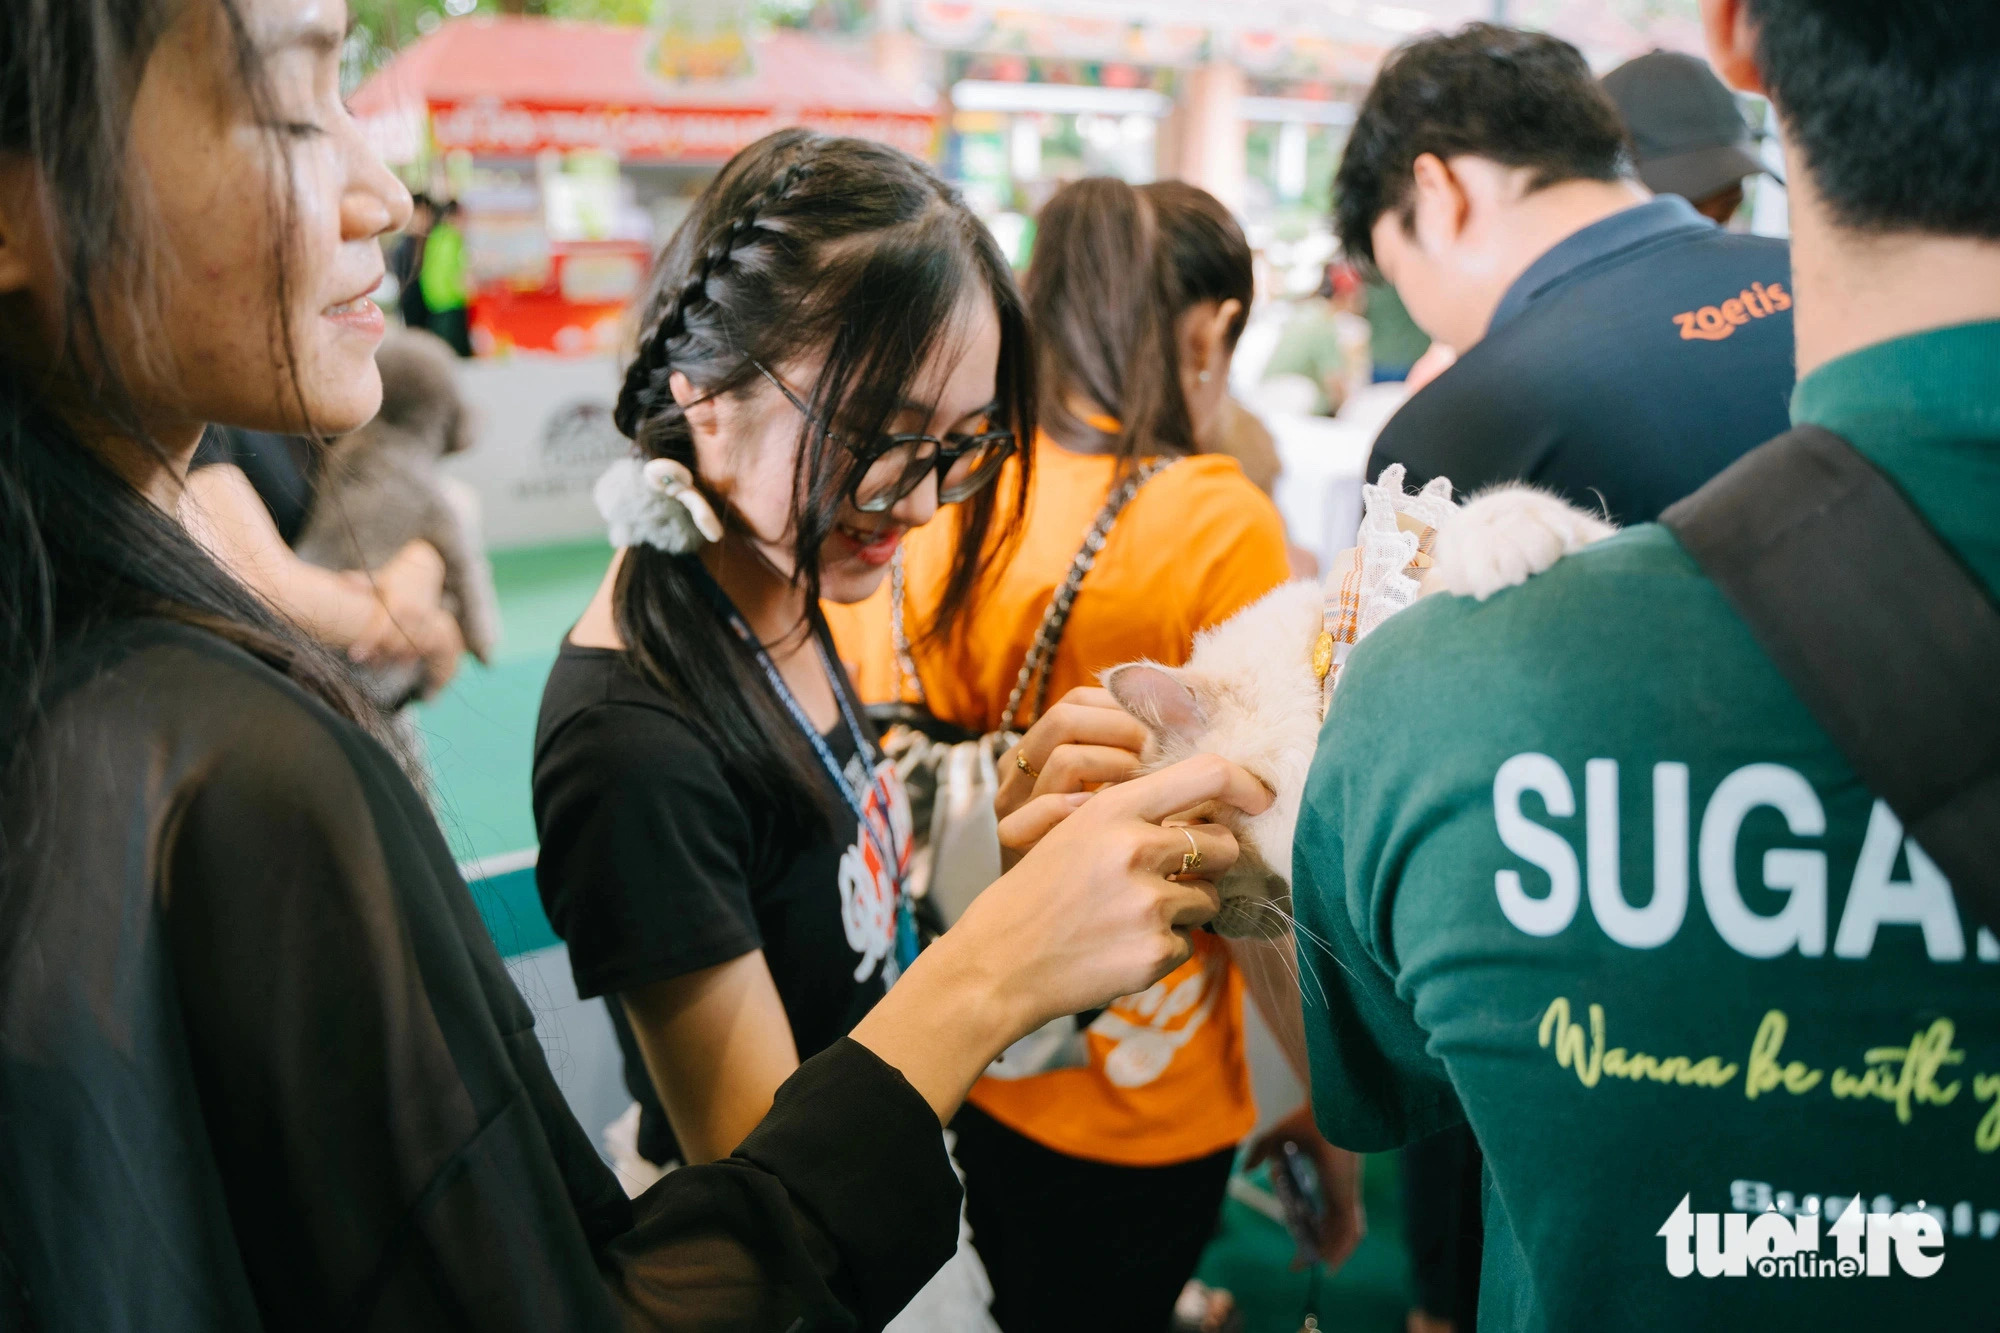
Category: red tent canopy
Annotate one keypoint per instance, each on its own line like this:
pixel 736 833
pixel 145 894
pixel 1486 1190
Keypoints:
pixel 514 87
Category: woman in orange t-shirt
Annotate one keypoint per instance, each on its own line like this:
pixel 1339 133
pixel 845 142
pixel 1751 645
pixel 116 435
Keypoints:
pixel 1091 1191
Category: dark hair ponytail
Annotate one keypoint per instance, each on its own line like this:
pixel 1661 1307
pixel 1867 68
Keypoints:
pixel 1204 255
pixel 79 547
pixel 1114 267
pixel 804 243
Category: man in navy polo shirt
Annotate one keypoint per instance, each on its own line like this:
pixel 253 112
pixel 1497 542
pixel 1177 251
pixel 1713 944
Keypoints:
pixel 1614 347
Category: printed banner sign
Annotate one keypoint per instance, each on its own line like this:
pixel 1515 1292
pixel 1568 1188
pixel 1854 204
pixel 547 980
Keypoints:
pixel 491 128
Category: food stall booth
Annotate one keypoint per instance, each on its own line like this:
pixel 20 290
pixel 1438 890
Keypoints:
pixel 573 150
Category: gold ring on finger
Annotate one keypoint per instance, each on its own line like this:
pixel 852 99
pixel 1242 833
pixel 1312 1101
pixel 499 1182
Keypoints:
pixel 1191 858
pixel 1021 762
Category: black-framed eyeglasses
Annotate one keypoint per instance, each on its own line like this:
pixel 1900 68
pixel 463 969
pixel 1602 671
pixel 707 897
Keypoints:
pixel 895 465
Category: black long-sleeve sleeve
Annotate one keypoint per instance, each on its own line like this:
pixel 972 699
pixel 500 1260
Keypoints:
pixel 260 1066
pixel 833 1204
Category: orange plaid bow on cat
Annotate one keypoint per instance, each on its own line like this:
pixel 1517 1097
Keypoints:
pixel 1372 581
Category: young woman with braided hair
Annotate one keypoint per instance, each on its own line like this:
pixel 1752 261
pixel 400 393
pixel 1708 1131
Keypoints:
pixel 830 336
pixel 833 348
pixel 260 1064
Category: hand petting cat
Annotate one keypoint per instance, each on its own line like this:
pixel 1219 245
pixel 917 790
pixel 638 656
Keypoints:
pixel 1085 742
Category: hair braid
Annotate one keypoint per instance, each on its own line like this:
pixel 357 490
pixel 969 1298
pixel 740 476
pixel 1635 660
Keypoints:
pixel 645 394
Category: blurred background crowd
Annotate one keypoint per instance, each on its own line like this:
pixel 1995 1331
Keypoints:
pixel 557 143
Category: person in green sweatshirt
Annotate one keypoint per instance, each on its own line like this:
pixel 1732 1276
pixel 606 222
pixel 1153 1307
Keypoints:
pixel 1584 873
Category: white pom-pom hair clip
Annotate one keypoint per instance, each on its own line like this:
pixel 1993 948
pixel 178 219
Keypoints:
pixel 655 504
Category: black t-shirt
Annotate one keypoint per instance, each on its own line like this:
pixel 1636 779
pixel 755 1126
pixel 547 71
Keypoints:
pixel 1631 363
pixel 261 1066
pixel 652 867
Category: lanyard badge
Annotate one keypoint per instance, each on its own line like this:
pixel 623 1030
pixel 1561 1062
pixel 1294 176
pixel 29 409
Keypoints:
pixel 877 812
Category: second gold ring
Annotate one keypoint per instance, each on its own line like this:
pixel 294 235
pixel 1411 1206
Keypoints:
pixel 1191 858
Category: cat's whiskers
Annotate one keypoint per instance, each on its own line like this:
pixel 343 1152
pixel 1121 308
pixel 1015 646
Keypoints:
pixel 1281 934
pixel 1292 927
pixel 1280 941
pixel 1292 923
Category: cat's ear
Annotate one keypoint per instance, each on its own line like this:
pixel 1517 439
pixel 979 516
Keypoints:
pixel 1158 696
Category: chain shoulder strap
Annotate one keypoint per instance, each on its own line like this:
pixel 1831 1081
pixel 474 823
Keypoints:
pixel 1034 673
pixel 906 665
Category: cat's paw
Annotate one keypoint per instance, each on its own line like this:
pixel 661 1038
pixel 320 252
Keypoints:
pixel 1505 535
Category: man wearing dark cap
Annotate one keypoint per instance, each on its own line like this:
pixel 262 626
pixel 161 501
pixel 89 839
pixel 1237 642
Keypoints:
pixel 1687 132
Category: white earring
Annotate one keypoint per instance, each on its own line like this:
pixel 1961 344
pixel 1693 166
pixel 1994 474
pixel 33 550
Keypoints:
pixel 1202 377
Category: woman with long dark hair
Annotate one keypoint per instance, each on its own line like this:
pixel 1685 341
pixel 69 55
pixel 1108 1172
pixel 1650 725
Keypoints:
pixel 833 347
pixel 259 1064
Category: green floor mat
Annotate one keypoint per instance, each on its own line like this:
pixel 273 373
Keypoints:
pixel 479 735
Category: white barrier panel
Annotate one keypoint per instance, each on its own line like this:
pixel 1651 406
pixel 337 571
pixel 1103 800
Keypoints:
pixel 544 435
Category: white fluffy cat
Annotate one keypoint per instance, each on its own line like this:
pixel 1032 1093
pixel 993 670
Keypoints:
pixel 1249 691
